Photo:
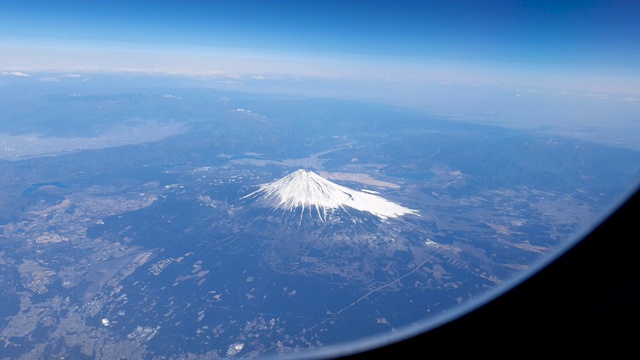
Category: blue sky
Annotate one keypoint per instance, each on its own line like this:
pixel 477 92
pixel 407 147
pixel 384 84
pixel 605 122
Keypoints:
pixel 560 41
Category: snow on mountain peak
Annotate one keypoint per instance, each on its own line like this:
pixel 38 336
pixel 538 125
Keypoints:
pixel 308 190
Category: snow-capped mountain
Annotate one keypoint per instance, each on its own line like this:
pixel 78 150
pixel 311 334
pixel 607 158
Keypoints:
pixel 308 191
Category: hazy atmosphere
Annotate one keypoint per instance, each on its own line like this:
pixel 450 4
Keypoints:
pixel 234 179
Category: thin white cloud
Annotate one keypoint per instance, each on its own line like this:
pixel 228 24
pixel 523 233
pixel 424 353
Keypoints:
pixel 14 73
pixel 229 64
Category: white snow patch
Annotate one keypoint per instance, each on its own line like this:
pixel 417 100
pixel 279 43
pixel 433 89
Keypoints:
pixel 169 96
pixel 369 191
pixel 308 190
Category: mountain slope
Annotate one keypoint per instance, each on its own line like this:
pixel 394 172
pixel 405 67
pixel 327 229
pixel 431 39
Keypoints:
pixel 310 192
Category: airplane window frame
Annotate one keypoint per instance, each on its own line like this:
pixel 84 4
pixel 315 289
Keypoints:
pixel 586 298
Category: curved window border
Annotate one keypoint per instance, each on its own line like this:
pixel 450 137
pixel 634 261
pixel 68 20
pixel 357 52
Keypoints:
pixel 585 296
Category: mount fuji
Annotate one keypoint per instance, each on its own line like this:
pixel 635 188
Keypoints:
pixel 309 192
